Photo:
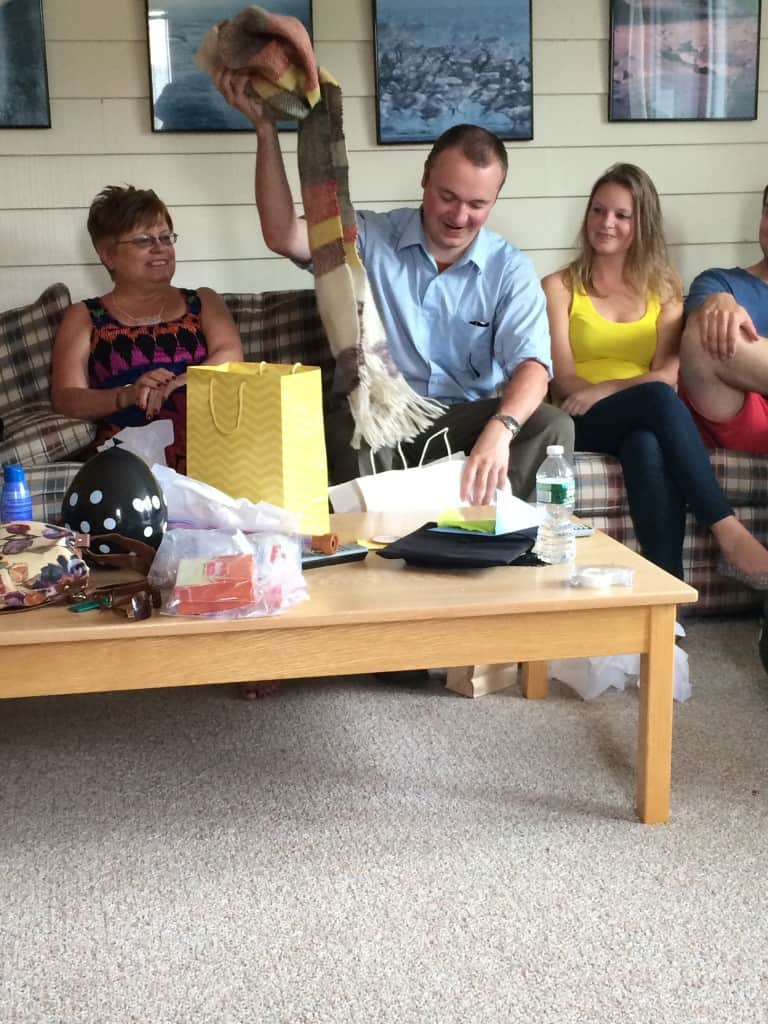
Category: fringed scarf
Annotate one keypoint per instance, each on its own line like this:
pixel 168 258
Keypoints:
pixel 277 51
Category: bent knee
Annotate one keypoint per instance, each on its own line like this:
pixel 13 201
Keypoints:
pixel 557 426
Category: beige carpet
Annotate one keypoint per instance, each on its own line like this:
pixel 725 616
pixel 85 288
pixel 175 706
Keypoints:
pixel 352 851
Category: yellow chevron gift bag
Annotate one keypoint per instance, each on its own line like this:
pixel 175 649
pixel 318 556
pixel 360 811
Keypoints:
pixel 255 430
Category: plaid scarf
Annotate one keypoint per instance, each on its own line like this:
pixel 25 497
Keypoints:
pixel 284 75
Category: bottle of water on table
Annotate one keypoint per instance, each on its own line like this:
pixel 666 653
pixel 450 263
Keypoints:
pixel 15 500
pixel 555 496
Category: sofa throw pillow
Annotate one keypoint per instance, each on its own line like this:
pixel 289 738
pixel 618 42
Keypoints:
pixel 26 346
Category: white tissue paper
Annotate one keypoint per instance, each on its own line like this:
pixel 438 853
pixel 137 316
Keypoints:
pixel 590 677
pixel 148 442
pixel 196 504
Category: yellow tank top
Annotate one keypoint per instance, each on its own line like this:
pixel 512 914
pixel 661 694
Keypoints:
pixel 604 350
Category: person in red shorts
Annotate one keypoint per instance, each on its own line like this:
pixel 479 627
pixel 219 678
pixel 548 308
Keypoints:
pixel 724 362
pixel 724 355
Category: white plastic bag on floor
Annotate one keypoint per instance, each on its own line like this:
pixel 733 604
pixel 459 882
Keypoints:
pixel 590 677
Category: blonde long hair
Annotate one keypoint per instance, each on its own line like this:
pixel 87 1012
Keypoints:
pixel 647 266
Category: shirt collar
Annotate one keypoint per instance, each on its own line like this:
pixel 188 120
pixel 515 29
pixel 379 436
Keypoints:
pixel 413 234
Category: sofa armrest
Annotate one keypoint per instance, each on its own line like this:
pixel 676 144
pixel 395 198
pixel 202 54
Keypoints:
pixel 35 435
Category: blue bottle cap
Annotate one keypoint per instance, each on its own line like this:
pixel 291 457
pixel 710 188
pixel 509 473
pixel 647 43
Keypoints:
pixel 13 472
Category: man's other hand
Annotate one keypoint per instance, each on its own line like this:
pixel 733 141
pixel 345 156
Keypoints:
pixel 235 87
pixel 722 324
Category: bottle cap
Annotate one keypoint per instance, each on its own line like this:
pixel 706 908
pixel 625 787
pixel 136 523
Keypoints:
pixel 12 472
pixel 555 449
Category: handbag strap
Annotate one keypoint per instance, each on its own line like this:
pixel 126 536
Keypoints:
pixel 138 555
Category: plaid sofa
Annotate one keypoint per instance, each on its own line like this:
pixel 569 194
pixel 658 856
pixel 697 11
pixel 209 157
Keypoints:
pixel 279 327
pixel 284 327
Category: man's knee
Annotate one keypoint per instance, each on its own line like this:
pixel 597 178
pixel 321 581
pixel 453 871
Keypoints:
pixel 557 427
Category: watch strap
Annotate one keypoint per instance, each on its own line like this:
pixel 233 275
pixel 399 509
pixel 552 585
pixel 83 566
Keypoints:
pixel 509 422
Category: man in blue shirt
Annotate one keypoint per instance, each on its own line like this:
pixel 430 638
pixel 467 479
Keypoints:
pixel 464 312
pixel 723 366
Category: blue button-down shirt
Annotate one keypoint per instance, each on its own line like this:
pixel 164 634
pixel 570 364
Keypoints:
pixel 460 334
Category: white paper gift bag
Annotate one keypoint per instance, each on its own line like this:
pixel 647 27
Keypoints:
pixel 431 485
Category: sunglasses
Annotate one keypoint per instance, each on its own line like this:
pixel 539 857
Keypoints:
pixel 133 601
pixel 167 238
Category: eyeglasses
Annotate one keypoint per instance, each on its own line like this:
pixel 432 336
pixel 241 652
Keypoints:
pixel 147 241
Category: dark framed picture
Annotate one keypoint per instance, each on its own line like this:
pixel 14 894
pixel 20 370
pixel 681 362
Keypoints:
pixel 684 60
pixel 184 99
pixel 24 99
pixel 441 63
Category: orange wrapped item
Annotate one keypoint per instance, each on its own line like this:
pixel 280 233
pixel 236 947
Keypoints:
pixel 220 584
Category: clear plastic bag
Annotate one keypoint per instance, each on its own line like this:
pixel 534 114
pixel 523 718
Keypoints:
pixel 228 574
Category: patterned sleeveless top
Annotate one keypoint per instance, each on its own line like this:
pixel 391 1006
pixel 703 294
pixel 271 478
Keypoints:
pixel 121 354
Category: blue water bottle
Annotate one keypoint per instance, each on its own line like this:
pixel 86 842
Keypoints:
pixel 16 501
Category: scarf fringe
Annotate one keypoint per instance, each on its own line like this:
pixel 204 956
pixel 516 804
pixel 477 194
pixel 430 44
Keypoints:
pixel 386 410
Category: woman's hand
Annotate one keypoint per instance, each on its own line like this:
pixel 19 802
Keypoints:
pixel 580 402
pixel 149 391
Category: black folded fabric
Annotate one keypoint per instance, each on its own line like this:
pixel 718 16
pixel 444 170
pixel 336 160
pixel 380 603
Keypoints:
pixel 433 549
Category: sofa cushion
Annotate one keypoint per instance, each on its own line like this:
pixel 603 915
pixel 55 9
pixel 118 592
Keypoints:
pixel 36 435
pixel 600 482
pixel 26 344
pixel 48 485
pixel 282 327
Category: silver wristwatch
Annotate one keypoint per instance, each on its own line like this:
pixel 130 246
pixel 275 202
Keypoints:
pixel 509 422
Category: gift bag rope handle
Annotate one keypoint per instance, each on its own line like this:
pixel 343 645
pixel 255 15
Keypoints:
pixel 240 388
pixel 439 433
pixel 238 420
pixel 263 365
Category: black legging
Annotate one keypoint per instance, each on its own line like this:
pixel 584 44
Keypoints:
pixel 666 466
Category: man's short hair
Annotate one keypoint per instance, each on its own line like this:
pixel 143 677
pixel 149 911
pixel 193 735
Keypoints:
pixel 765 196
pixel 478 145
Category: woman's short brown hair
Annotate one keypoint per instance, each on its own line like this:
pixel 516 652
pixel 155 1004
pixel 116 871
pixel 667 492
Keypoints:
pixel 118 209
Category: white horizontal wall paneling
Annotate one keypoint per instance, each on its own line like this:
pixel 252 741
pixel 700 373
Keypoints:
pixel 709 173
pixel 205 232
pixel 94 19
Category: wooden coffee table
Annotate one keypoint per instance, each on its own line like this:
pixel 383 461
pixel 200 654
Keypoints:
pixel 379 615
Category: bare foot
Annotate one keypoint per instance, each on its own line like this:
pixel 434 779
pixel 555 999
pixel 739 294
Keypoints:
pixel 255 691
pixel 739 547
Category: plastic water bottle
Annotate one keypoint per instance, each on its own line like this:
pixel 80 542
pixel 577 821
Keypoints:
pixel 555 496
pixel 16 501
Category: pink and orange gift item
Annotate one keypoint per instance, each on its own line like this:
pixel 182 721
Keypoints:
pixel 207 586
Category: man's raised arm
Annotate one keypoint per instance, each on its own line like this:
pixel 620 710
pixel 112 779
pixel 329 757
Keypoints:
pixel 284 232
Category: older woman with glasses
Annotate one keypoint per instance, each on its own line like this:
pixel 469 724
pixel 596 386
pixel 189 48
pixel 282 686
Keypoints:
pixel 121 359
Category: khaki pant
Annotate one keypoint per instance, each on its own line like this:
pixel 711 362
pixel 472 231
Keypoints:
pixel 465 422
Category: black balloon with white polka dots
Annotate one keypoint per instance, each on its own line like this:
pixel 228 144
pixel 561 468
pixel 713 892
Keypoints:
pixel 116 492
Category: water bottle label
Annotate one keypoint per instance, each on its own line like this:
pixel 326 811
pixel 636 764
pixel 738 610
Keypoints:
pixel 560 493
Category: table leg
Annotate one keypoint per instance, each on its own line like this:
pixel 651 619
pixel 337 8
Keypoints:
pixel 533 680
pixel 654 751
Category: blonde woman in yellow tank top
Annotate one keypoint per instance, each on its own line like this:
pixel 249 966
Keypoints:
pixel 615 316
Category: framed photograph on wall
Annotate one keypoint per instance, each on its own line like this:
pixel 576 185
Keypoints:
pixel 693 61
pixel 24 99
pixel 184 99
pixel 441 63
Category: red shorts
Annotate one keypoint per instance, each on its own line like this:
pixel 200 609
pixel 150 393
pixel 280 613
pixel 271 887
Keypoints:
pixel 747 431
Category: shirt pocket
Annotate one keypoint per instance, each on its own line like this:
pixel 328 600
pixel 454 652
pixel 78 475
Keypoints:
pixel 480 352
